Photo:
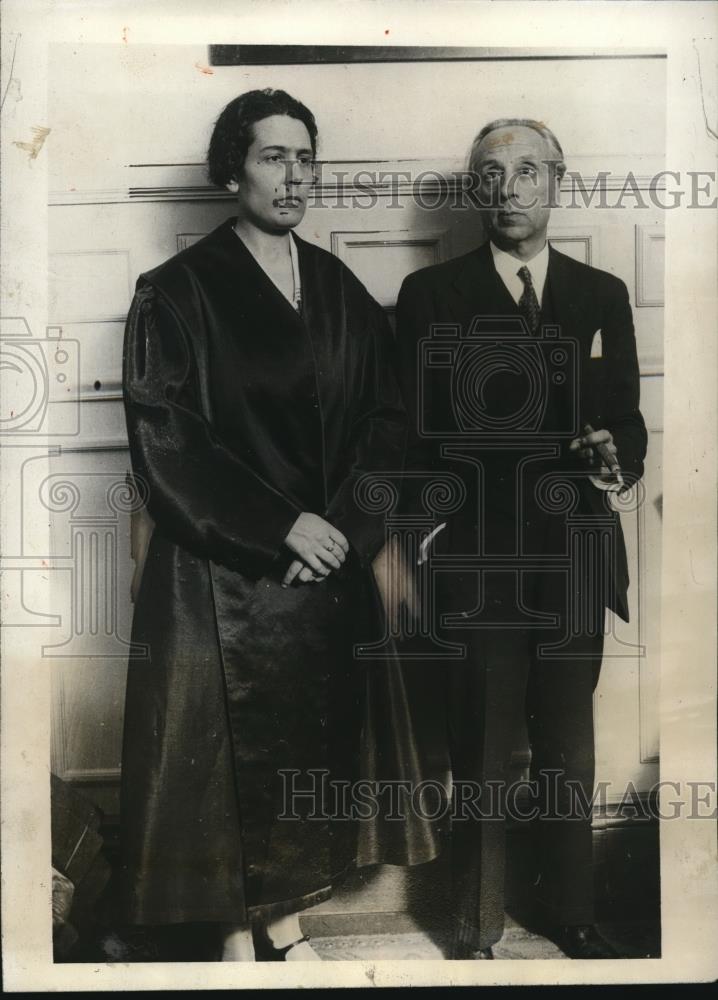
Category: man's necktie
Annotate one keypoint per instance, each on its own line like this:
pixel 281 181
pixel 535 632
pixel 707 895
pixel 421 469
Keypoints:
pixel 528 303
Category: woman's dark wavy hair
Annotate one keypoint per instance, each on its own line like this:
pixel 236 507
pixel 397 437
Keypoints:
pixel 233 133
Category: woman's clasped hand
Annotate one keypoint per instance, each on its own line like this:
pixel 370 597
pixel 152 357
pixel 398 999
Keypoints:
pixel 320 547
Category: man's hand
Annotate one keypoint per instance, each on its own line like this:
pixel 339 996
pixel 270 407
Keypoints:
pixel 396 584
pixel 320 547
pixel 587 449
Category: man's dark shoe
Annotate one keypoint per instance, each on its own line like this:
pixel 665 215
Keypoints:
pixel 584 941
pixel 469 953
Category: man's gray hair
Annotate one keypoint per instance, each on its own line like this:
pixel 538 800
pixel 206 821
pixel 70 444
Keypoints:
pixel 543 130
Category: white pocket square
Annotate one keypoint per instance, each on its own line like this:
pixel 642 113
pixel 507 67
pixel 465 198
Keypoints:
pixel 597 345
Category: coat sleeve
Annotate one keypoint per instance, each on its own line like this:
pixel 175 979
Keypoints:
pixel 414 315
pixel 622 416
pixel 377 435
pixel 199 493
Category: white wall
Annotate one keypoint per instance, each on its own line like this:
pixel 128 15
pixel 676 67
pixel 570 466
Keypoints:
pixel 115 105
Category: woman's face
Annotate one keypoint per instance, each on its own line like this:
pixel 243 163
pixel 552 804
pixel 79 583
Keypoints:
pixel 277 176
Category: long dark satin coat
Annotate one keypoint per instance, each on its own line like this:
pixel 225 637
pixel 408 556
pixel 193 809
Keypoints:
pixel 241 414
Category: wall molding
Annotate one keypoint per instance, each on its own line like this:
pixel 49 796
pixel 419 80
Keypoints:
pixel 101 395
pixel 185 240
pixel 345 242
pixel 611 814
pixel 641 809
pixel 59 749
pixel 104 444
pixel 342 180
pixel 81 293
pixel 94 776
pixel 303 55
pixel 649 751
pixel 586 235
pixel 58 730
pixel 645 755
pixel 647 295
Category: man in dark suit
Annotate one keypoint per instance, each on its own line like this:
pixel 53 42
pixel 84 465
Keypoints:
pixel 519 369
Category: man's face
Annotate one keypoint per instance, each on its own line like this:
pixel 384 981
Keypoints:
pixel 517 184
pixel 277 175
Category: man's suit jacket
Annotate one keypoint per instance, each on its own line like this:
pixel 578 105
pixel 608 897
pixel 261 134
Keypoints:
pixel 584 300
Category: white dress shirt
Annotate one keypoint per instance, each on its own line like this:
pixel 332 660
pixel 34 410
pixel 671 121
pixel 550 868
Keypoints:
pixel 508 267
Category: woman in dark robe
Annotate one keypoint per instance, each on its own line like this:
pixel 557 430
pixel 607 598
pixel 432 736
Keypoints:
pixel 259 388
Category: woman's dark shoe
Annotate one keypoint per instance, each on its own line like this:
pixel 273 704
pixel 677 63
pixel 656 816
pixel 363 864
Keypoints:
pixel 265 951
pixel 469 953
